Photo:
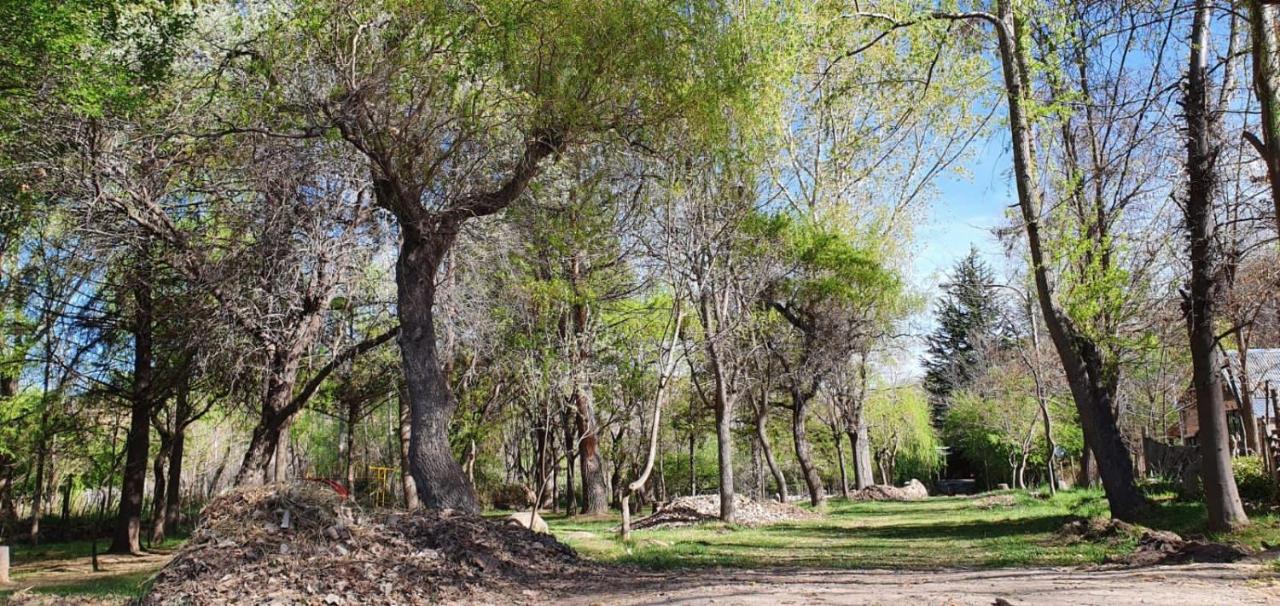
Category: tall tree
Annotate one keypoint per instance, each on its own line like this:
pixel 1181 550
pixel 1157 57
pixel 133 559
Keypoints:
pixel 1222 499
pixel 971 326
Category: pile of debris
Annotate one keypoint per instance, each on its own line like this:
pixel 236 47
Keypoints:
pixel 303 544
pixel 1154 547
pixel 686 511
pixel 1098 529
pixel 1160 547
pixel 913 490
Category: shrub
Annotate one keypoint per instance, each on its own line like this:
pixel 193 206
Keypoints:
pixel 1252 479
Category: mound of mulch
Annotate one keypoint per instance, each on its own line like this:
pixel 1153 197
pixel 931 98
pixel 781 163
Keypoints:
pixel 911 491
pixel 302 544
pixel 686 511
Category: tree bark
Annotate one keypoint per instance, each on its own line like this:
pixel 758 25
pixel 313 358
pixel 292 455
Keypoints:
pixel 173 494
pixel 1266 83
pixel 159 491
pixel 762 436
pixel 844 475
pixel 126 537
pixel 804 455
pixel 1222 500
pixel 437 476
pixel 406 478
pixel 860 444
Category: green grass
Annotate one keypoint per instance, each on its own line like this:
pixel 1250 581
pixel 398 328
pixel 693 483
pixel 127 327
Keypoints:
pixel 23 553
pixel 121 586
pixel 938 533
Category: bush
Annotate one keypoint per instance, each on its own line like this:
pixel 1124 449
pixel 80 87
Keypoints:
pixel 1252 479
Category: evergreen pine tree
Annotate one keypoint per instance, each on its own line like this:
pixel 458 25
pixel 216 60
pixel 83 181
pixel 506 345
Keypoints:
pixel 970 323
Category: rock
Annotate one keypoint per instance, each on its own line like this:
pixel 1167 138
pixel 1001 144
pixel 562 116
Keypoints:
pixel 1002 486
pixel 530 520
pixel 913 490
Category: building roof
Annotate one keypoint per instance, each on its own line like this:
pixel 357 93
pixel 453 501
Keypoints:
pixel 1263 367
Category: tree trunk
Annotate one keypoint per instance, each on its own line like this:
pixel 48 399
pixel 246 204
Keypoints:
pixel 173 495
pixel 595 496
pixel 1245 394
pixel 159 492
pixel 860 444
pixel 570 494
pixel 804 455
pixel 724 451
pixel 406 478
pixel 437 476
pixel 762 436
pixel 1222 499
pixel 844 476
pixel 126 538
pixel 349 466
pixel 1091 379
pixel 1266 83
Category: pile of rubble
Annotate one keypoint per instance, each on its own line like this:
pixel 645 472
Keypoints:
pixel 686 511
pixel 300 544
pixel 913 490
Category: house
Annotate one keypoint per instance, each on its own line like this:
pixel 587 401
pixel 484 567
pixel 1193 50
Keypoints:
pixel 1264 376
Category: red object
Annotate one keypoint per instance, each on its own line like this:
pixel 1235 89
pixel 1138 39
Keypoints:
pixel 335 485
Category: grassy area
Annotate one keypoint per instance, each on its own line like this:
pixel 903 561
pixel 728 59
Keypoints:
pixel 64 569
pixel 938 533
pixel 1007 530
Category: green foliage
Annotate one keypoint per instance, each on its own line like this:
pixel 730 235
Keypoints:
pixel 1253 481
pixel 900 425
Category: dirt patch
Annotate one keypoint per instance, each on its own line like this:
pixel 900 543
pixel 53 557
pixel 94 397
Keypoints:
pixel 1159 547
pixel 685 511
pixel 303 544
pixel 995 501
pixel 911 491
pixel 1195 584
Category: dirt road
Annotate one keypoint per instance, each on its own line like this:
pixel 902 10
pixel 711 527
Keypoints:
pixel 1207 584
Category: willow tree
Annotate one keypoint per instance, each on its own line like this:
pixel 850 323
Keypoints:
pixel 456 108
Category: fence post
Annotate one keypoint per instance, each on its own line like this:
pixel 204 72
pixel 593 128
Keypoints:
pixel 4 564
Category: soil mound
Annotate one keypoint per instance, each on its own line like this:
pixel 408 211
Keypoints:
pixel 911 491
pixel 685 511
pixel 1159 547
pixel 302 544
pixel 1099 529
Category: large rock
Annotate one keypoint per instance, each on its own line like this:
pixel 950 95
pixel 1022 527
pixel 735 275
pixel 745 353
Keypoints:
pixel 913 490
pixel 530 520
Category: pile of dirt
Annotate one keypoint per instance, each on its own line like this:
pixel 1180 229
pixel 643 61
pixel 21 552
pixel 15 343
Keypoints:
pixel 911 491
pixel 1160 547
pixel 1098 529
pixel 302 544
pixel 685 511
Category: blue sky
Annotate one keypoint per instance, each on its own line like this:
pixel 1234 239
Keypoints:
pixel 968 206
